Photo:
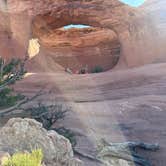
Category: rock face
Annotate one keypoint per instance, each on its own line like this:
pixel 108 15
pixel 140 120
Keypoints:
pixel 140 31
pixel 26 134
pixel 76 48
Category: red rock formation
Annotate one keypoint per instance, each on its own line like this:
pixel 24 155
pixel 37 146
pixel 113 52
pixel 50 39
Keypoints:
pixel 76 48
pixel 139 30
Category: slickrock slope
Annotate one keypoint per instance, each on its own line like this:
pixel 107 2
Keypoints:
pixel 140 31
pixel 119 106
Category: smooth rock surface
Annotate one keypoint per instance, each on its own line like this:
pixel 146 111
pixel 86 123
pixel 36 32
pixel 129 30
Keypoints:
pixel 120 106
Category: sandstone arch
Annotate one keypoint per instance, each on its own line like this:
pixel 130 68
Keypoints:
pixel 139 30
pixel 76 48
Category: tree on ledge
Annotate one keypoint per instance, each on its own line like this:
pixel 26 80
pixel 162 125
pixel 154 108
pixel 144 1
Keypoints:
pixel 10 72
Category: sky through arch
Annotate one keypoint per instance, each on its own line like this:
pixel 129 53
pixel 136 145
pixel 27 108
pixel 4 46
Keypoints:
pixel 80 26
pixel 134 3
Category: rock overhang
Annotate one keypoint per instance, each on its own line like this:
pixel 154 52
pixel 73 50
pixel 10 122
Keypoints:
pixel 100 45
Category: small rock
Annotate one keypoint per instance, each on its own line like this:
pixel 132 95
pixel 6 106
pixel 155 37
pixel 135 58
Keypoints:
pixel 3 155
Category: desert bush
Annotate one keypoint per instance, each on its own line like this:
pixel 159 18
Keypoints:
pixel 70 135
pixel 10 72
pixel 49 115
pixel 97 69
pixel 8 98
pixel 24 159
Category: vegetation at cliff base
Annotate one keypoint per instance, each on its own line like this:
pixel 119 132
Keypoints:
pixel 97 69
pixel 49 116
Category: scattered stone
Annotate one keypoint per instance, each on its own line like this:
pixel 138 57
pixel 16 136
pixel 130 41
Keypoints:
pixel 124 154
pixel 3 155
pixel 68 70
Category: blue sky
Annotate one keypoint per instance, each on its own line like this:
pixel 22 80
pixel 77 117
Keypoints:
pixel 75 26
pixel 134 3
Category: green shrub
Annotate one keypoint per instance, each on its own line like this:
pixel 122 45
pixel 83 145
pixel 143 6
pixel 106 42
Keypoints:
pixel 49 116
pixel 97 69
pixel 67 133
pixel 24 159
pixel 8 99
pixel 10 72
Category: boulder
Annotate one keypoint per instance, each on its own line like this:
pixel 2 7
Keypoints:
pixel 27 134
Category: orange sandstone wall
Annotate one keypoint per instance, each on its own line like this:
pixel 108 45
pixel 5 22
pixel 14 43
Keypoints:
pixel 139 31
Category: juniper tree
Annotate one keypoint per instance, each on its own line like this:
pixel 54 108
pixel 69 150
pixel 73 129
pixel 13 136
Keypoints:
pixel 10 72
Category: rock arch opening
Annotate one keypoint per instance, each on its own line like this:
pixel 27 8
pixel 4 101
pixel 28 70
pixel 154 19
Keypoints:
pixel 76 26
pixel 135 3
pixel 74 45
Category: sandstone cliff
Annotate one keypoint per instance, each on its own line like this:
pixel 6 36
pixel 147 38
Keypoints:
pixel 140 31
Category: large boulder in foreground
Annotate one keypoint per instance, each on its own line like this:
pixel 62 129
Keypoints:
pixel 27 134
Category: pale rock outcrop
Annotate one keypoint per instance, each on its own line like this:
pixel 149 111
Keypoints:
pixel 124 154
pixel 26 134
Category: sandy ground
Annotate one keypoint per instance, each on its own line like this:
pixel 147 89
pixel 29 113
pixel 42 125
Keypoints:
pixel 115 105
